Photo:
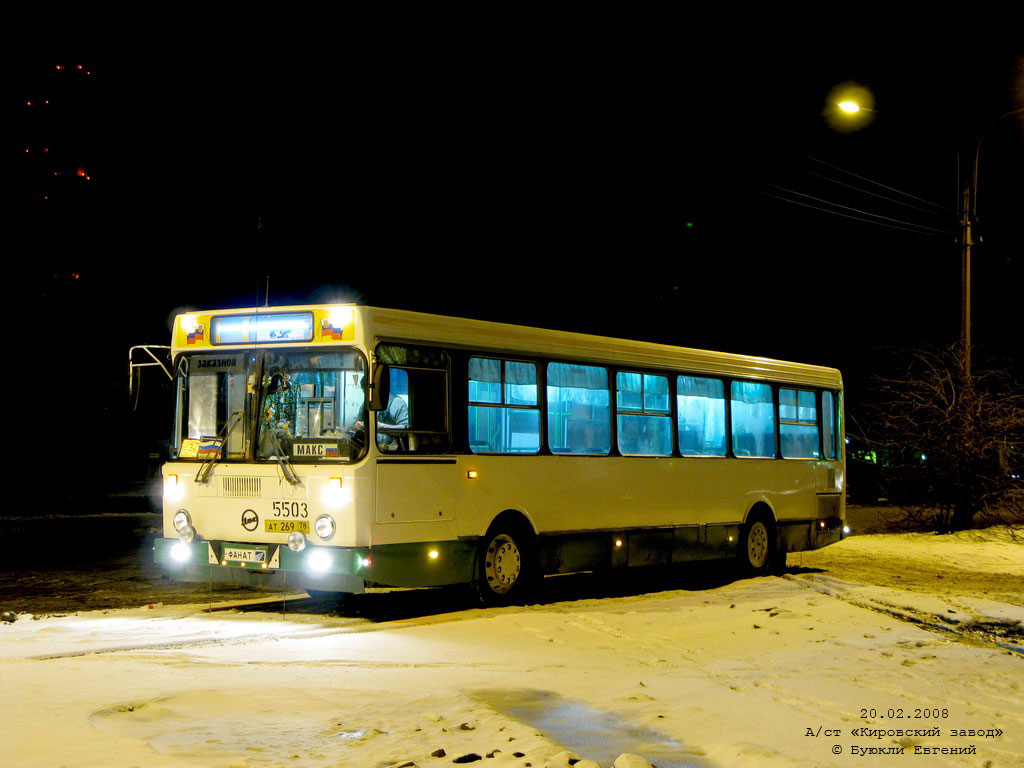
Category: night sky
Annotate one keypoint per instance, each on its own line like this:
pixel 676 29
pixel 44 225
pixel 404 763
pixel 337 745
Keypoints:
pixel 622 189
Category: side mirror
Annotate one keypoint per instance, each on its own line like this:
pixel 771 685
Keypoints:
pixel 380 388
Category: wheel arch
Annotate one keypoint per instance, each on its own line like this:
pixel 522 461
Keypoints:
pixel 761 510
pixel 514 517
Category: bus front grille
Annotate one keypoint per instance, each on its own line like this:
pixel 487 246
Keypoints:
pixel 241 487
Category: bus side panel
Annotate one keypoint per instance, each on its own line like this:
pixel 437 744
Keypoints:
pixel 576 494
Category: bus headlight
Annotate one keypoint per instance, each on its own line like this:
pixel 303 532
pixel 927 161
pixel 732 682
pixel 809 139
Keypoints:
pixel 187 534
pixel 180 551
pixel 336 493
pixel 181 520
pixel 319 561
pixel 324 527
pixel 296 541
pixel 173 490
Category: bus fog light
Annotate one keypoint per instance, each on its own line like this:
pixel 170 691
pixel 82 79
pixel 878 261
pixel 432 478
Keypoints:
pixel 181 520
pixel 296 541
pixel 180 551
pixel 187 534
pixel 324 527
pixel 319 561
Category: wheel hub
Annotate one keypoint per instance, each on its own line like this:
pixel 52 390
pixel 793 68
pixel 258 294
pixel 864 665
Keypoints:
pixel 502 564
pixel 757 544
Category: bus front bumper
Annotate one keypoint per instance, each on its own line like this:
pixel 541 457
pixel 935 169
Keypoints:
pixel 330 569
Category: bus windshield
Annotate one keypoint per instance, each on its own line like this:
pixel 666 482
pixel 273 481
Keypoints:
pixel 314 406
pixel 214 403
pixel 298 404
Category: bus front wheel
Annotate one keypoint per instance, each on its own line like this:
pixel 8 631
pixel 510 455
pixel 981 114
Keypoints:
pixel 507 570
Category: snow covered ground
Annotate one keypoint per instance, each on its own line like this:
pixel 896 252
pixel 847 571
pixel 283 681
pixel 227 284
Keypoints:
pixel 828 665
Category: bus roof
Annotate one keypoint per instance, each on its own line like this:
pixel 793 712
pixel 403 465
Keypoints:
pixel 484 336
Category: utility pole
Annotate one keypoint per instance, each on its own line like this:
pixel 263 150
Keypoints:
pixel 966 241
pixel 967 218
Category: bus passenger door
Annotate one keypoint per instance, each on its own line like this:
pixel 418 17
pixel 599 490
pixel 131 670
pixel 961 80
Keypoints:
pixel 415 490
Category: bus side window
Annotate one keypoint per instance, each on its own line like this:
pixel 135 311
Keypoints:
pixel 798 424
pixel 700 405
pixel 828 420
pixel 416 416
pixel 579 411
pixel 753 419
pixel 504 414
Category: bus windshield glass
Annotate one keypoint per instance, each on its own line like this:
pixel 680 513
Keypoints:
pixel 313 406
pixel 214 403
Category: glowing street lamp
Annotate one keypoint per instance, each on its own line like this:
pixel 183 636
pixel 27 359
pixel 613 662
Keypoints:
pixel 849 107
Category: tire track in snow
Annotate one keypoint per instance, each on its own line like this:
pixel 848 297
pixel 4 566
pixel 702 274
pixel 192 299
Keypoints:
pixel 1004 634
pixel 355 626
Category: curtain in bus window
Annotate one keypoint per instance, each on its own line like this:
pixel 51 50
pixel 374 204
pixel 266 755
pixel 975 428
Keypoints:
pixel 520 383
pixel 828 418
pixel 579 412
pixel 484 380
pixel 512 423
pixel 753 419
pixel 644 426
pixel 798 424
pixel 700 408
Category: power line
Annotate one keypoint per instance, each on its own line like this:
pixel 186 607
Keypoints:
pixel 858 210
pixel 884 186
pixel 873 194
pixel 912 228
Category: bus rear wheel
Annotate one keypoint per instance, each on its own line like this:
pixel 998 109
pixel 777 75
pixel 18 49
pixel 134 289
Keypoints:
pixel 507 570
pixel 757 547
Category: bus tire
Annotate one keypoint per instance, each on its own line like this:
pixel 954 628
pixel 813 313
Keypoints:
pixel 507 567
pixel 757 552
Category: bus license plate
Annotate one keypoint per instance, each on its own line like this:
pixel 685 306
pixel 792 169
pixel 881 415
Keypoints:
pixel 287 526
pixel 244 555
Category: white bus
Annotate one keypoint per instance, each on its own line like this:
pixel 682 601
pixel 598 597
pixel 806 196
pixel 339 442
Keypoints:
pixel 331 448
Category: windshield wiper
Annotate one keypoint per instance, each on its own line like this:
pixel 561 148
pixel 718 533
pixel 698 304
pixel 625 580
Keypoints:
pixel 282 457
pixel 203 475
